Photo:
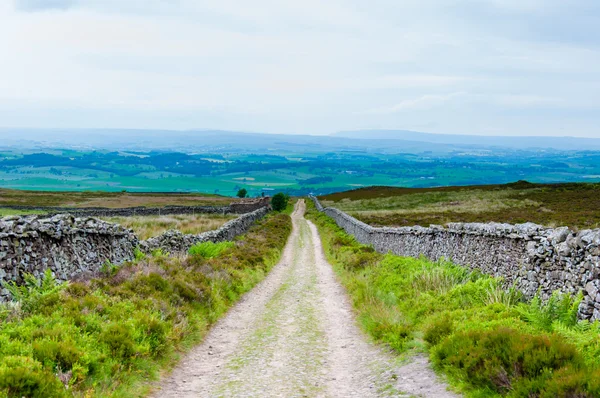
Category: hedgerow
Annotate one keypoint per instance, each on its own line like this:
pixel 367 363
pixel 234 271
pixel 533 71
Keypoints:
pixel 485 338
pixel 107 336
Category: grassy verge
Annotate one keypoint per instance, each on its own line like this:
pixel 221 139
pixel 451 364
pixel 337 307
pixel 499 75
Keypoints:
pixel 109 336
pixel 488 341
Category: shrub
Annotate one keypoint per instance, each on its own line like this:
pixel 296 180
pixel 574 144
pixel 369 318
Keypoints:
pixel 119 339
pixel 438 329
pixel 279 201
pixel 501 359
pixel 25 377
pixel 242 193
pixel 61 355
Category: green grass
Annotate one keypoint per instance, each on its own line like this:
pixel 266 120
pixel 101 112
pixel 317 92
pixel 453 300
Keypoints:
pixel 109 336
pixel 575 204
pixel 12 212
pixel 487 340
pixel 209 249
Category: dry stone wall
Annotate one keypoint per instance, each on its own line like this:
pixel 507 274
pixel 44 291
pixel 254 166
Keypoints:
pixel 532 257
pixel 66 245
pixel 73 246
pixel 242 207
pixel 176 242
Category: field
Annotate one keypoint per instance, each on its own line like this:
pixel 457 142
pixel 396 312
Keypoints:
pixel 576 205
pixel 318 169
pixel 10 197
pixel 148 226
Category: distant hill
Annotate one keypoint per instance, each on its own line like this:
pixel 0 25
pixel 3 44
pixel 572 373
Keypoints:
pixel 380 141
pixel 204 141
pixel 530 142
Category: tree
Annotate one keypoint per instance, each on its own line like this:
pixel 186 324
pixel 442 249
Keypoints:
pixel 242 193
pixel 279 201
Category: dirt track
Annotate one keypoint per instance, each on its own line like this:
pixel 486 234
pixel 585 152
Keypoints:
pixel 294 335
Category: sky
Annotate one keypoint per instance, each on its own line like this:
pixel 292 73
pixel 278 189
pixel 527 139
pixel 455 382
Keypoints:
pixel 489 67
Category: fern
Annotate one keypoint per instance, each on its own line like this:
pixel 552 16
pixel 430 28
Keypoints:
pixel 33 289
pixel 560 308
pixel 109 268
pixel 209 249
pixel 138 254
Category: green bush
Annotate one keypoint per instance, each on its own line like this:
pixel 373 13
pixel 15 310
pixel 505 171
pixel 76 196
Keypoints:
pixel 22 376
pixel 56 354
pixel 438 329
pixel 279 201
pixel 501 359
pixel 119 339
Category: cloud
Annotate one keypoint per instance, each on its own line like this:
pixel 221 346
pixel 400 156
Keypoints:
pixel 43 5
pixel 423 102
pixel 431 101
pixel 303 66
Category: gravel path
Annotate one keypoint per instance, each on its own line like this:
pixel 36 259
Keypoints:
pixel 294 335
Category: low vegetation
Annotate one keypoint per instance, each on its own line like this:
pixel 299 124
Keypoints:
pixel 4 212
pixel 148 226
pixel 108 336
pixel 10 197
pixel 573 204
pixel 487 340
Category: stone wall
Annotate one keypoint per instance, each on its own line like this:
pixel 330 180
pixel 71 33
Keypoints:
pixel 176 242
pixel 241 207
pixel 72 247
pixel 67 245
pixel 532 257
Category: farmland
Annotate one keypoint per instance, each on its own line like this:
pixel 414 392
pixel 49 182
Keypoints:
pixel 292 169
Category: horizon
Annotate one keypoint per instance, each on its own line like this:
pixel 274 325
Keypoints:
pixel 328 134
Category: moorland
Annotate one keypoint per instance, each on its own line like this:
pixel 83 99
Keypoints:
pixel 566 204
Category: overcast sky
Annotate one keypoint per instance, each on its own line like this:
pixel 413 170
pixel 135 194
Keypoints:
pixel 493 67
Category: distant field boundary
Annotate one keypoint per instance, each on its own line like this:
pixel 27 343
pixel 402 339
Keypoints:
pixel 529 256
pixel 234 208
